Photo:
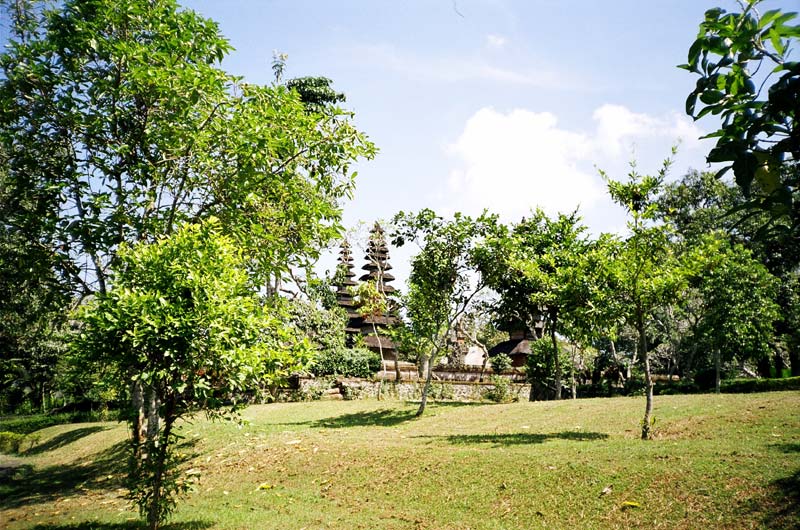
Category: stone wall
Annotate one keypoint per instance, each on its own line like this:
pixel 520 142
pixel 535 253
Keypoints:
pixel 406 390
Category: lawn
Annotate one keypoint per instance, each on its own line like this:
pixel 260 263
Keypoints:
pixel 727 461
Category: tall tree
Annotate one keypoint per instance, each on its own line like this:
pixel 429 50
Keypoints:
pixel 119 124
pixel 442 285
pixel 532 267
pixel 646 271
pixel 737 296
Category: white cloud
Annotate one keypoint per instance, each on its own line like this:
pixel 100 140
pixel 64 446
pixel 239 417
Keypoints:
pixel 617 127
pixel 496 42
pixel 515 161
pixel 511 162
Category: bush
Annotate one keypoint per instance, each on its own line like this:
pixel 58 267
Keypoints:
pixel 500 363
pixel 744 386
pixel 10 442
pixel 347 362
pixel 500 391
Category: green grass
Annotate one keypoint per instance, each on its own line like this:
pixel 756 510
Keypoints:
pixel 718 461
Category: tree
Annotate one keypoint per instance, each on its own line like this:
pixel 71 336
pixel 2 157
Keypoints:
pixel 698 204
pixel 645 272
pixel 760 136
pixel 442 286
pixel 118 124
pixel 182 320
pixel 532 268
pixel 738 301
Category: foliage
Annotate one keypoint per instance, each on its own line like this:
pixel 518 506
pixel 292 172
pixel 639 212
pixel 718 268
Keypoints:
pixel 11 442
pixel 741 386
pixel 118 125
pixel 182 321
pixel 645 272
pixel 738 293
pixel 500 363
pixel 347 362
pixel 759 138
pixel 441 288
pixel 500 391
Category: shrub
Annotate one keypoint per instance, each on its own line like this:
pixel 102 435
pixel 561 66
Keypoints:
pixel 10 442
pixel 744 386
pixel 500 391
pixel 500 363
pixel 347 362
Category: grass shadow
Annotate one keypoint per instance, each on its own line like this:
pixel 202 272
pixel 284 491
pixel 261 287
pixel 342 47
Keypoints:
pixel 65 438
pixel 373 418
pixel 131 525
pixel 787 499
pixel 28 485
pixel 377 418
pixel 788 447
pixel 519 438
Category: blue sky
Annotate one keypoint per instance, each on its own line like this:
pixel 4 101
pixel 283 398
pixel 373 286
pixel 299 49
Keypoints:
pixel 497 104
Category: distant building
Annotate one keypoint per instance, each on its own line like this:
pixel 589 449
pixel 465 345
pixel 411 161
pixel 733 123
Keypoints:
pixel 376 267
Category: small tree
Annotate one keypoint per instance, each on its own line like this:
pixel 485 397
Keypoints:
pixel 442 286
pixel 182 322
pixel 645 272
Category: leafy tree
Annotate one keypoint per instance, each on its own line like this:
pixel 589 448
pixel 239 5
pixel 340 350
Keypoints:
pixel 736 55
pixel 646 272
pixel 699 204
pixel 182 320
pixel 442 286
pixel 119 124
pixel 738 306
pixel 373 305
pixel 533 268
pixel 32 311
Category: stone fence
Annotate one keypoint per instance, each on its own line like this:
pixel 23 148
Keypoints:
pixel 351 388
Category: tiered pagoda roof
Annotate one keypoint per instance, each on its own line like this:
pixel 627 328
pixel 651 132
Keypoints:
pixel 376 267
pixel 344 295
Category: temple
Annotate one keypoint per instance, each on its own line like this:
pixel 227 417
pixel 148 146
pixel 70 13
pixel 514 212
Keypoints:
pixel 371 327
pixel 344 294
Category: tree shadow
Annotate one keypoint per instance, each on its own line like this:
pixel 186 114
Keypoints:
pixel 29 486
pixel 373 418
pixel 130 525
pixel 787 502
pixel 65 438
pixel 376 418
pixel 518 438
pixel 788 447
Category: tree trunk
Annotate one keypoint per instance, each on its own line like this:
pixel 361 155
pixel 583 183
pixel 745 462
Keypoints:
pixel 138 433
pixel 425 389
pixel 151 408
pixel 716 370
pixel 779 365
pixel 648 379
pixel 574 387
pixel 556 361
pixel 397 375
pixel 154 510
pixel 383 366
pixel 485 361
pixel 794 357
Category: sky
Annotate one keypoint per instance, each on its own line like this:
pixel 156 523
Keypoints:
pixel 498 104
pixel 506 105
